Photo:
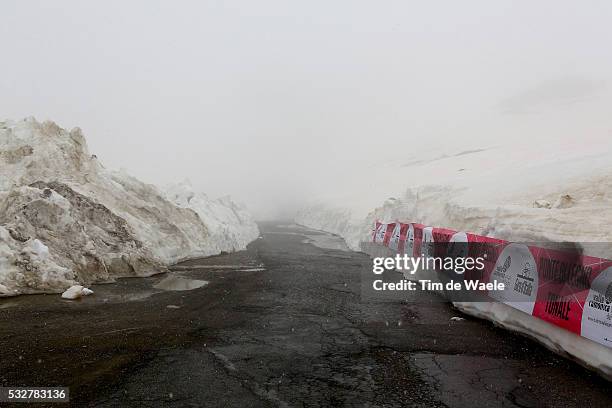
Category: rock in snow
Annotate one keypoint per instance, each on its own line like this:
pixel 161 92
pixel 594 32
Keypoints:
pixel 65 219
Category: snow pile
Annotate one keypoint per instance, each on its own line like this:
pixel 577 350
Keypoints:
pixel 555 192
pixel 230 225
pixel 67 219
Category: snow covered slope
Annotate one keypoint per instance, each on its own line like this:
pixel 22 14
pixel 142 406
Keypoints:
pixel 486 192
pixel 95 224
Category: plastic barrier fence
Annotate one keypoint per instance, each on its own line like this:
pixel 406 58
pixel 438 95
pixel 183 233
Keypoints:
pixel 567 289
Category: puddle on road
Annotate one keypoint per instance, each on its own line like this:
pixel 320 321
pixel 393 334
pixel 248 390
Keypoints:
pixel 106 293
pixel 243 268
pixel 112 297
pixel 317 238
pixel 293 226
pixel 177 283
pixel 122 291
pixel 327 241
pixel 5 304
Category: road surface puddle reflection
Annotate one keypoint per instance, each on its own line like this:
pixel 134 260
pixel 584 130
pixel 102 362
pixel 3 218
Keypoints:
pixel 327 241
pixel 175 283
pixel 240 268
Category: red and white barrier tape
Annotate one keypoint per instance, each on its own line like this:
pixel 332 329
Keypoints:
pixel 568 290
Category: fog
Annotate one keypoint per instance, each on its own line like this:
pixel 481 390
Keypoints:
pixel 277 102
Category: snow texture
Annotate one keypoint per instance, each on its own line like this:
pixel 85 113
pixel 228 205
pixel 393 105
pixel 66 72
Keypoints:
pixel 65 219
pixel 231 226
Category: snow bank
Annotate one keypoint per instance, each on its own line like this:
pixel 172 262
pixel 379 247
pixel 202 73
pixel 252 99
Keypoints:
pixel 231 226
pixel 64 218
pixel 497 192
pixel 585 221
pixel 550 193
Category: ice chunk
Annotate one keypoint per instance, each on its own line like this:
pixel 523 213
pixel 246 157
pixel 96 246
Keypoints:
pixel 542 204
pixel 76 292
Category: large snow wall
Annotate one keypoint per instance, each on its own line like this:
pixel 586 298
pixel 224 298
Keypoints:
pixel 65 219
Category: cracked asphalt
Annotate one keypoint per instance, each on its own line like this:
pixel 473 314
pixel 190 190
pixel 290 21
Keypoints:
pixel 285 324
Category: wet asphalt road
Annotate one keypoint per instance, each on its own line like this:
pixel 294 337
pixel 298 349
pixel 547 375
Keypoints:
pixel 281 324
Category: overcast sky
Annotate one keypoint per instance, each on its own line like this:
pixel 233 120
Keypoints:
pixel 276 102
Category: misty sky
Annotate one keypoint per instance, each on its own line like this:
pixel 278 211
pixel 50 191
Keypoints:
pixel 276 102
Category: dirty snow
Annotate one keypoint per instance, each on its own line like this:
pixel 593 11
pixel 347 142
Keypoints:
pixel 65 219
pixel 230 224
